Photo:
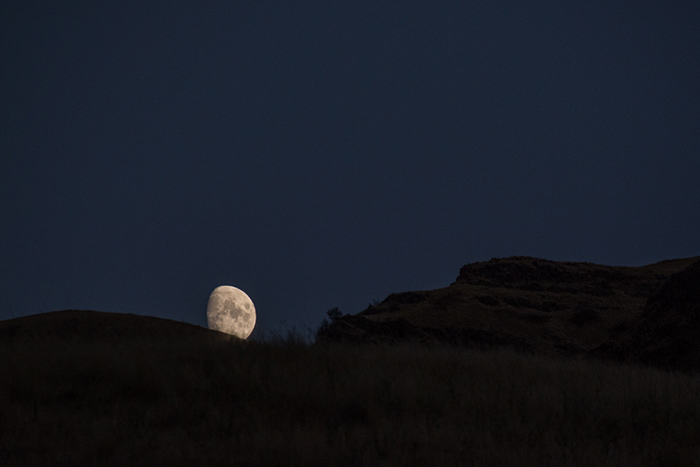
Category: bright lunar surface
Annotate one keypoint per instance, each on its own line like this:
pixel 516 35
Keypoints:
pixel 231 311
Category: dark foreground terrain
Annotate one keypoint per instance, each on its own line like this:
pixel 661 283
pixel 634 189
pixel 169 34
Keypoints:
pixel 91 388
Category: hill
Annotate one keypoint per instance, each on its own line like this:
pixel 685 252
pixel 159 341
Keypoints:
pixel 530 305
pixel 666 334
pixel 87 325
pixel 91 388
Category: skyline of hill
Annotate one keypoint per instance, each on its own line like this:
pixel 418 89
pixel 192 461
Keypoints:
pixel 557 309
pixel 531 305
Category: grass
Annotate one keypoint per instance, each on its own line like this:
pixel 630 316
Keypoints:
pixel 201 401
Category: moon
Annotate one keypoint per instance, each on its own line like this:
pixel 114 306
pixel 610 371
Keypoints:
pixel 231 311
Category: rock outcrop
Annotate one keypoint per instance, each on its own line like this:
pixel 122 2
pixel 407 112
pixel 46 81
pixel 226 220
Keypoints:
pixel 647 314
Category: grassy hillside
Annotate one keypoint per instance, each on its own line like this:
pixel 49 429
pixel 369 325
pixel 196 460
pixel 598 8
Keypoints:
pixel 154 391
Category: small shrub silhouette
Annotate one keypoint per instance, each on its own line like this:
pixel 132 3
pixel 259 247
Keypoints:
pixel 334 313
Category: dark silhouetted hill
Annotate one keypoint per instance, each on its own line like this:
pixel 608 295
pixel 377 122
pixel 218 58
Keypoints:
pixel 543 307
pixel 667 332
pixel 86 326
pixel 109 389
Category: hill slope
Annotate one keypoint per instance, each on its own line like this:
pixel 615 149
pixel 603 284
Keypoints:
pixel 87 325
pixel 528 304
pixel 89 388
pixel 667 332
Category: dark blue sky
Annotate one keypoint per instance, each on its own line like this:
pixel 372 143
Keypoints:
pixel 321 154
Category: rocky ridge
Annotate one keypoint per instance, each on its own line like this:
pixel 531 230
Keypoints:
pixel 648 314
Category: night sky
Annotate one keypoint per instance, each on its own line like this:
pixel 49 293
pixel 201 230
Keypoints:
pixel 319 154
